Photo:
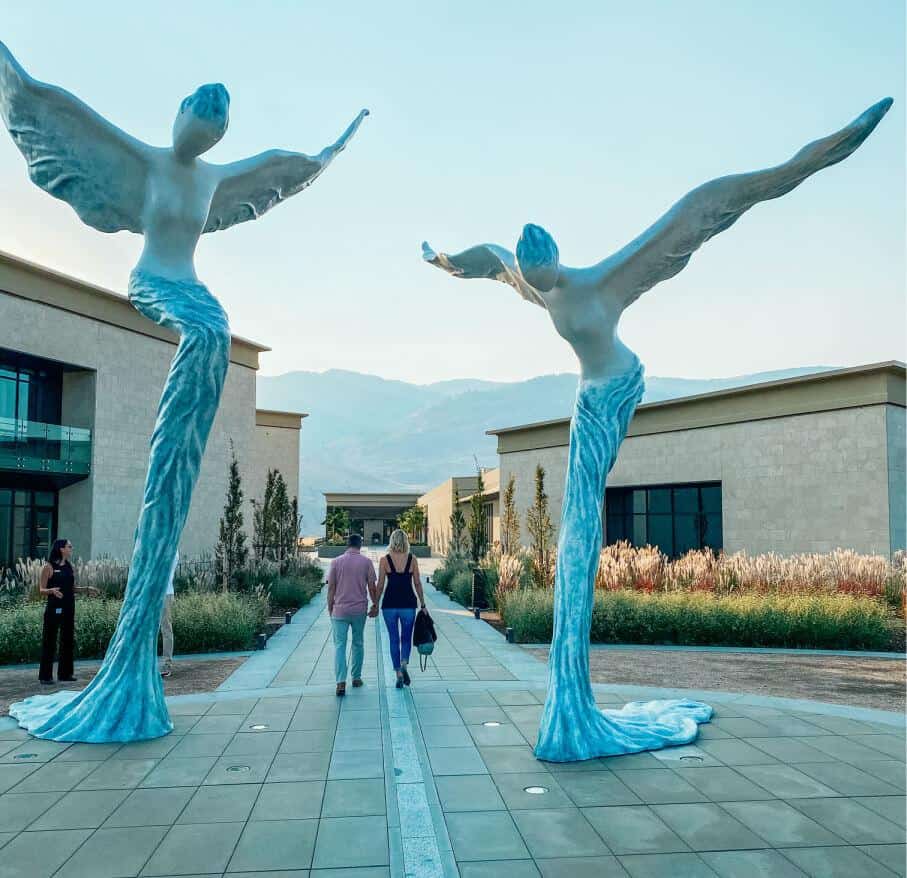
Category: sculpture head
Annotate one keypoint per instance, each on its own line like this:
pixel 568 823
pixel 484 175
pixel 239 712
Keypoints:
pixel 201 121
pixel 538 257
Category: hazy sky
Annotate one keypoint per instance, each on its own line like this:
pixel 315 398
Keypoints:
pixel 589 118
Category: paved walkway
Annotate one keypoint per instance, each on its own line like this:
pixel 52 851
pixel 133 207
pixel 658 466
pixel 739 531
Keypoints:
pixel 272 775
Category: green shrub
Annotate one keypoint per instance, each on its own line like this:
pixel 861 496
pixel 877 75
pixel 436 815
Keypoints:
pixel 461 588
pixel 442 578
pixel 813 621
pixel 202 622
pixel 293 592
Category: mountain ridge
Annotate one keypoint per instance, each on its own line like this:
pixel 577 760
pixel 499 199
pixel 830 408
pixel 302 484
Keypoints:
pixel 367 433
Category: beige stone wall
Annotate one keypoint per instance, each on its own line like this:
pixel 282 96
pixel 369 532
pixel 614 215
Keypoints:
pixel 128 371
pixel 897 476
pixel 801 483
pixel 271 448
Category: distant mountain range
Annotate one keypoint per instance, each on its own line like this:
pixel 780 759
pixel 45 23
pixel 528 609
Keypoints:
pixel 366 433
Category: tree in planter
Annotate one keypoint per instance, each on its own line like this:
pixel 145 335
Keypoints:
pixel 231 553
pixel 478 520
pixel 541 530
pixel 510 520
pixel 412 521
pixel 337 524
pixel 457 527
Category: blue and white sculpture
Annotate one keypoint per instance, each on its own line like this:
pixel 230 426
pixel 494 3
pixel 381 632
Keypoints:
pixel 585 305
pixel 171 196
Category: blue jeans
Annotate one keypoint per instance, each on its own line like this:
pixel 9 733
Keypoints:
pixel 340 627
pixel 400 631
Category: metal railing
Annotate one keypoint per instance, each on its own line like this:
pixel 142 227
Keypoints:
pixel 37 447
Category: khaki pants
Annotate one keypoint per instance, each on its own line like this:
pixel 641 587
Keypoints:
pixel 167 633
pixel 356 626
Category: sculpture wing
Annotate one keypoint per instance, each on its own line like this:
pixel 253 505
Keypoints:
pixel 72 152
pixel 664 248
pixel 485 261
pixel 251 187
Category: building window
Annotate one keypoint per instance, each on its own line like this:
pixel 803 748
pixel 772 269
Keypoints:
pixel 27 522
pixel 675 518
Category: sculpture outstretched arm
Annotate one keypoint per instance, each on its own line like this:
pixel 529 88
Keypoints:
pixel 74 153
pixel 664 248
pixel 251 187
pixel 484 261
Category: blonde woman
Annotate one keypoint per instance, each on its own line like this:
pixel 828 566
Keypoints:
pixel 399 571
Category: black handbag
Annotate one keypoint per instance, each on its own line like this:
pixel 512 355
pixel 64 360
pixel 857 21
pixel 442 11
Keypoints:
pixel 424 637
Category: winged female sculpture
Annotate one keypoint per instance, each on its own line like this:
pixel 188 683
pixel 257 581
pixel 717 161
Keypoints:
pixel 585 305
pixel 171 197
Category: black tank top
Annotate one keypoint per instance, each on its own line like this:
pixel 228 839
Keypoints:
pixel 399 594
pixel 64 579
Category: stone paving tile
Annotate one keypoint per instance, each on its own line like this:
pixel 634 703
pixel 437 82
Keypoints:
pixel 354 798
pixel 653 786
pixel 113 853
pixel 174 772
pixel 891 745
pixel 289 801
pixel 156 749
pixel 890 807
pixel 88 752
pixel 220 804
pixel 485 835
pixel 790 750
pixel 10 775
pixel 581 867
pixel 276 844
pixel 299 766
pixel 55 776
pixel 495 868
pixel 723 784
pixel 846 749
pixel 660 865
pixel 352 764
pixel 848 780
pixel 558 833
pixel 18 810
pixel 81 810
pixel 151 807
pixel 312 741
pixel 118 775
pixel 255 744
pixel 200 745
pixel 751 864
pixel 851 821
pixel 501 760
pixel 894 856
pixel 634 830
pixel 785 781
pixel 503 735
pixel 589 788
pixel 447 736
pixel 238 770
pixel 456 760
pixel 40 854
pixel 706 827
pixel 736 752
pixel 195 848
pixel 891 772
pixel 34 750
pixel 217 724
pixel 836 862
pixel 333 848
pixel 476 792
pixel 512 788
pixel 780 824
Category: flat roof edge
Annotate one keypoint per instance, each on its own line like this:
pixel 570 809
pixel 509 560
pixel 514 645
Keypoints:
pixel 118 299
pixel 895 366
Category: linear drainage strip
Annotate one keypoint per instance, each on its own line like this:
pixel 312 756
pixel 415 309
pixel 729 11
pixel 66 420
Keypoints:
pixel 409 785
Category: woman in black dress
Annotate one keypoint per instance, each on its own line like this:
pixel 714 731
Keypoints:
pixel 400 571
pixel 58 582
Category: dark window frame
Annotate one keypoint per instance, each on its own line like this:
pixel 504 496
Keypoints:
pixel 627 523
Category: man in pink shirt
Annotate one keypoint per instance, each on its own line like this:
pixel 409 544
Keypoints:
pixel 351 582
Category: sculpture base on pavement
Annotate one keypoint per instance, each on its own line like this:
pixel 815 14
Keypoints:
pixel 573 728
pixel 125 700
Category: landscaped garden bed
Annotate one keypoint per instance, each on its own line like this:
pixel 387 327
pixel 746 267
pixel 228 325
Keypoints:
pixel 206 617
pixel 840 600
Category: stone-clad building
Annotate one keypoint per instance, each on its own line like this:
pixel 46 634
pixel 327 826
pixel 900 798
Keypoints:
pixel 81 373
pixel 806 464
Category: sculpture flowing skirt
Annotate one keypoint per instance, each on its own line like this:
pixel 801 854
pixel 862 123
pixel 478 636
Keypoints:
pixel 572 726
pixel 125 700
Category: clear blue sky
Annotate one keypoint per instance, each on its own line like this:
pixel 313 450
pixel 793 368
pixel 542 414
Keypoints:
pixel 590 118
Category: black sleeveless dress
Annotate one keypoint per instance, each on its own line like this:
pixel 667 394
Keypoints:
pixel 399 593
pixel 59 622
